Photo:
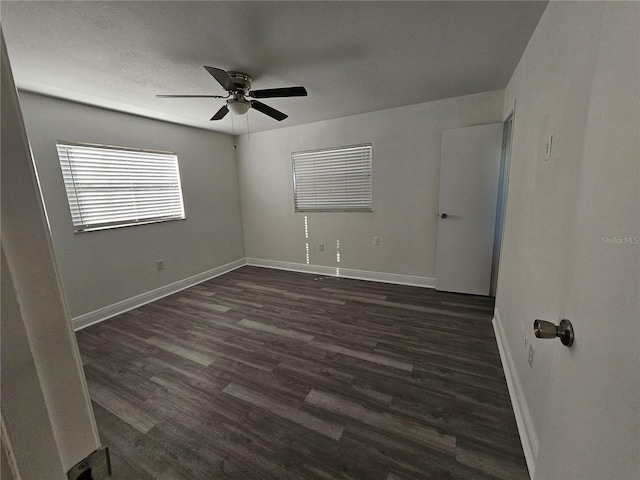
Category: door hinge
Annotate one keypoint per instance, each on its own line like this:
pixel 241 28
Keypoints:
pixel 96 466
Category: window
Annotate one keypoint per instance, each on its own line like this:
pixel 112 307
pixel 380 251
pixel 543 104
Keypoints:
pixel 336 179
pixel 110 187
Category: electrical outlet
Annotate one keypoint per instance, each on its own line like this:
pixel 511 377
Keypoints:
pixel 376 240
pixel 531 356
pixel 321 247
pixel 160 264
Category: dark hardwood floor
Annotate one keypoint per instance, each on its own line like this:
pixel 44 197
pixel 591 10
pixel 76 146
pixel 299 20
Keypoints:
pixel 262 374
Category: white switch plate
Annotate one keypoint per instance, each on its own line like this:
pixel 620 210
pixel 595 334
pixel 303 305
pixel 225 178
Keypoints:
pixel 376 240
pixel 321 247
pixel 160 264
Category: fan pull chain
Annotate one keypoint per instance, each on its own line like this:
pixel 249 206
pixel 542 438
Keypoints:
pixel 233 132
pixel 248 134
pixel 233 128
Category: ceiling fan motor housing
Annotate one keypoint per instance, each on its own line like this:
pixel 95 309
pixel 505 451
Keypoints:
pixel 241 80
pixel 238 105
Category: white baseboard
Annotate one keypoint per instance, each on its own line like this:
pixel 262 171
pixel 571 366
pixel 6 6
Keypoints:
pixel 527 432
pixel 109 311
pixel 83 321
pixel 346 273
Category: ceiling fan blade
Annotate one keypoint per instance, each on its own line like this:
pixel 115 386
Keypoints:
pixel 267 110
pixel 190 96
pixel 279 92
pixel 222 78
pixel 220 113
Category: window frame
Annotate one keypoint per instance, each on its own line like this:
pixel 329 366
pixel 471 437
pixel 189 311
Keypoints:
pixel 333 210
pixel 92 227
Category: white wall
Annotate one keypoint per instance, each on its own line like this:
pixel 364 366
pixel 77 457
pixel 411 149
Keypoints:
pixel 102 268
pixel 578 81
pixel 406 168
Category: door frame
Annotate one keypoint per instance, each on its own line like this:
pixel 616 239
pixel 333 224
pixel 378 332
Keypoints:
pixel 48 424
pixel 503 190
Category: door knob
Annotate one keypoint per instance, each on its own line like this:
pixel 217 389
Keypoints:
pixel 544 329
pixel 443 215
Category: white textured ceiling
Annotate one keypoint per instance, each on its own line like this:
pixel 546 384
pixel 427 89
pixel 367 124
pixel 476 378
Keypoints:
pixel 352 57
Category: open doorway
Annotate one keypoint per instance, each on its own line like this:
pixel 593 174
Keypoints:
pixel 502 200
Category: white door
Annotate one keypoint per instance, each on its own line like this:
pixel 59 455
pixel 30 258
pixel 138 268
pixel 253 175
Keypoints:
pixel 469 175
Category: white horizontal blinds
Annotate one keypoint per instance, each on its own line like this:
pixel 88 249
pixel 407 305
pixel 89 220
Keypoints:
pixel 333 179
pixel 108 186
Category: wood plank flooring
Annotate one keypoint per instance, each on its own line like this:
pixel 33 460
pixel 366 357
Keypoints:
pixel 267 374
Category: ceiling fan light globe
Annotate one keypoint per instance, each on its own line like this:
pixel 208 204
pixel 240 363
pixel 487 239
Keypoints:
pixel 238 107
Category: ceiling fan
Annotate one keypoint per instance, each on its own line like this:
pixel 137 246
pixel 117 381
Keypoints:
pixel 238 85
